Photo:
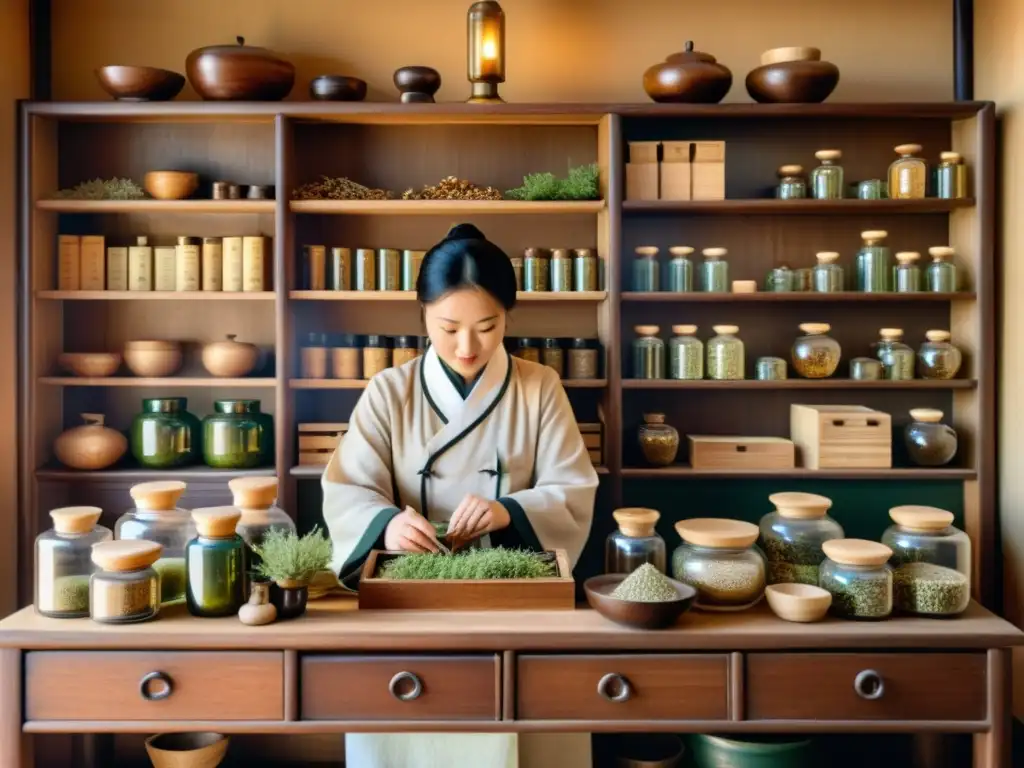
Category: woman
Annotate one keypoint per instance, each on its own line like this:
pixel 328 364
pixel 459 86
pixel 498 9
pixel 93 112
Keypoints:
pixel 465 434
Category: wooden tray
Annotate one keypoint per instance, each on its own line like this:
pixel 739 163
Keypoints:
pixel 556 593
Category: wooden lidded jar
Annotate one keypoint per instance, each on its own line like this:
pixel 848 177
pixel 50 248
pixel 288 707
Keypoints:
pixel 635 542
pixel 719 559
pixel 90 446
pixel 690 77
pixel 858 575
pixel 254 498
pixel 126 589
pixel 239 73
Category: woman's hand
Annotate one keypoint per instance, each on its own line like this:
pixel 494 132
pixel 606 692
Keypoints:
pixel 476 516
pixel 409 531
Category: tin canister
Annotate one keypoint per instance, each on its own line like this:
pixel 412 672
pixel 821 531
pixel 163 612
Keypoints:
pixel 585 270
pixel 770 369
pixel 411 261
pixel 779 280
pixel 871 189
pixel 389 276
pixel 366 269
pixel 314 267
pixel 561 269
pixel 341 269
pixel 535 270
pixel 517 267
pixel 865 369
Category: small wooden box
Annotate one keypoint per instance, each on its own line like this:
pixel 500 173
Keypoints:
pixel 674 171
pixel 841 436
pixel 642 170
pixel 708 170
pixel 317 441
pixel 555 593
pixel 593 440
pixel 729 452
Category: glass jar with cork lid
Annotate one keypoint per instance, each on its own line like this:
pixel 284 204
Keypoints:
pixel 792 185
pixel 858 575
pixel 827 179
pixel 659 442
pixel 648 353
pixel 685 354
pixel 125 588
pixel 680 269
pixel 828 275
pixel 255 498
pixel 715 271
pixel 217 564
pixel 725 354
pixel 950 176
pixel 908 174
pixel 63 562
pixel 816 355
pixel 897 358
pixel 937 358
pixel 941 273
pixel 906 274
pixel 635 542
pixel 930 443
pixel 646 270
pixel 720 560
pixel 874 262
pixel 792 535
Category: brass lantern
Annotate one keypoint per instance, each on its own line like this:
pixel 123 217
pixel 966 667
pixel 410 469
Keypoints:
pixel 486 42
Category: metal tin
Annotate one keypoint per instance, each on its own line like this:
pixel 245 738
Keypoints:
pixel 715 271
pixel 803 279
pixel 951 176
pixel 517 267
pixel 553 356
pixel 871 189
pixel 779 280
pixel 389 269
pixel 314 267
pixel 411 263
pixel 366 269
pixel 561 270
pixel 865 369
pixel 584 270
pixel 220 190
pixel 341 269
pixel 770 369
pixel 234 191
pixel 680 269
pixel 535 270
pixel 258 192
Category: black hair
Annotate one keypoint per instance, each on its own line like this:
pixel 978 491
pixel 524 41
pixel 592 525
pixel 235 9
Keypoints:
pixel 466 259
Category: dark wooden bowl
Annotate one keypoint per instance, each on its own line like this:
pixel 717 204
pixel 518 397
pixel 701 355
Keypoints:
pixel 127 83
pixel 639 615
pixel 417 84
pixel 337 88
pixel 793 82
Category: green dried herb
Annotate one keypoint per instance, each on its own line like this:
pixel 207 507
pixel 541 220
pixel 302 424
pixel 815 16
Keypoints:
pixel 103 189
pixel 861 596
pixel 790 573
pixel 792 561
pixel 495 563
pixel 172 578
pixel 646 585
pixel 286 556
pixel 929 589
pixel 580 184
pixel 71 594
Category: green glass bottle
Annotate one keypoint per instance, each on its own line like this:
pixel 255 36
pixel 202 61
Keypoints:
pixel 165 435
pixel 238 435
pixel 216 562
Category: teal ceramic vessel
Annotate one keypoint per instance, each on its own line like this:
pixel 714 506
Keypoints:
pixel 237 435
pixel 750 752
pixel 216 569
pixel 165 434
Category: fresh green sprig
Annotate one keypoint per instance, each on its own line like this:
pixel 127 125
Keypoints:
pixel 286 556
pixel 496 563
pixel 580 184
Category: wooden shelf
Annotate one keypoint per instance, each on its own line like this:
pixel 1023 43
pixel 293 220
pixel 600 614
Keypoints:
pixel 314 473
pixel 446 207
pixel 166 382
pixel 139 474
pixel 748 384
pixel 527 296
pixel 361 384
pixel 772 206
pixel 155 295
pixel 900 473
pixel 156 206
pixel 701 297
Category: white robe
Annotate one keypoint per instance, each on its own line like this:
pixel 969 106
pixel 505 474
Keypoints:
pixel 413 441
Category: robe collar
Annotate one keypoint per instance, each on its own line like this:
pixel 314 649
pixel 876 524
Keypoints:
pixel 446 399
pixel 462 386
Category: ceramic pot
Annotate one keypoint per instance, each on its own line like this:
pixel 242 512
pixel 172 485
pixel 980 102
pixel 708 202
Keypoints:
pixel 649 750
pixel 749 751
pixel 230 358
pixel 90 364
pixel 289 598
pixel 153 359
pixel 258 610
pixel 91 446
pixel 237 435
pixel 187 750
pixel 930 443
pixel 165 434
pixel 658 441
pixel 690 77
pixel 417 84
pixel 239 73
pixel 792 76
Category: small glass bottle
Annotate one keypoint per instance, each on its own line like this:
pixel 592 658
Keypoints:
pixel 583 359
pixel 126 588
pixel 685 353
pixel 584 270
pixel 376 356
pixel 561 270
pixel 929 442
pixel 366 269
pixel 715 271
pixel 635 542
pixel 792 185
pixel 255 498
pixel 803 279
pixel 536 270
pixel 406 349
pixel 553 356
pixel 680 269
pixel 659 442
pixel 941 272
pixel 859 577
pixel 770 369
pixel 827 178
pixel 528 349
pixel 908 175
pixel 932 559
pixel 63 562
pixel 779 280
pixel 938 358
pixel 648 353
pixel 874 263
pixel 217 564
pixel 906 274
pixel 725 354
pixel 816 354
pixel 897 358
pixel 792 535
pixel 950 176
pixel 719 559
pixel 828 275
pixel 646 271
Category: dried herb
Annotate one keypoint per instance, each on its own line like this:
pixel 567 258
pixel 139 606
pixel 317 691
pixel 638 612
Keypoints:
pixel 70 594
pixel 646 585
pixel 172 578
pixel 860 595
pixel 338 188
pixel 929 589
pixel 452 188
pixel 792 561
pixel 725 582
pixel 495 563
pixel 286 556
pixel 815 363
pixel 580 184
pixel 103 189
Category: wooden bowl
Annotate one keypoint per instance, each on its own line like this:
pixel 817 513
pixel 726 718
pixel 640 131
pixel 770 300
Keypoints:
pixel 337 88
pixel 126 83
pixel 798 602
pixel 793 82
pixel 90 364
pixel 170 185
pixel 187 750
pixel 153 359
pixel 640 615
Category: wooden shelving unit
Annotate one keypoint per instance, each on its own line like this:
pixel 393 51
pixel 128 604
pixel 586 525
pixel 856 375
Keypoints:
pixel 789 207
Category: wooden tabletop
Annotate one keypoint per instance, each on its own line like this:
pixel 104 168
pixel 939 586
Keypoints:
pixel 336 624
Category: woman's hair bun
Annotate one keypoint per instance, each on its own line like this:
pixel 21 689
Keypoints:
pixel 464 232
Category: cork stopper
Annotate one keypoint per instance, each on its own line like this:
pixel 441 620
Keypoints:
pixel 908 149
pixel 216 522
pixel 636 522
pixel 927 415
pixel 871 236
pixel 907 257
pixel 680 250
pixel 891 334
pixel 726 330
pixel 744 286
pixel 715 532
pixel 940 252
pixel 159 496
pixel 253 492
pixel 560 253
pixel 646 250
pixel 828 154
pixel 921 518
pixel 815 329
pixel 827 257
pixel 790 170
pixel 126 555
pixel 856 552
pixel 75 519
pixel 800 506
pixel 654 418
pixel 714 253
pixel 684 330
pixel 950 157
pixel 937 335
pixel 646 330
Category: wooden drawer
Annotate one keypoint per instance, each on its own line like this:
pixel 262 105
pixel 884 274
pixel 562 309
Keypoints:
pixel 401 687
pixel 626 687
pixel 154 685
pixel 845 686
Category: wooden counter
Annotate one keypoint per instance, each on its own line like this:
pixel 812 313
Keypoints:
pixel 339 669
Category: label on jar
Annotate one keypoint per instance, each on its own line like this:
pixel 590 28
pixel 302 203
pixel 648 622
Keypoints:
pixel 213 264
pixel 186 263
pixel 231 255
pixel 164 271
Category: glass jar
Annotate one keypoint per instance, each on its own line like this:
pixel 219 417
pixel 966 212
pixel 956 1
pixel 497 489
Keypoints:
pixel 217 564
pixel 157 517
pixel 941 273
pixel 792 185
pixel 648 353
pixel 255 498
pixel 376 356
pixel 937 358
pixel 719 559
pixel 779 280
pixel 553 356
pixel 932 561
pixel 646 271
pixel 313 356
pixel 827 178
pixel 908 175
pixel 659 441
pixel 238 436
pixel 725 354
pixel 803 279
pixel 715 271
pixel 897 358
pixel 929 442
pixel 366 269
pixel 874 262
pixel 389 269
pixel 346 356
pixel 816 354
pixel 407 349
pixel 871 189
pixel 125 588
pixel 792 535
pixel 907 275
pixel 585 273
pixel 583 362
pixel 561 270
pixel 165 435
pixel 635 542
pixel 527 349
pixel 828 275
pixel 412 260
pixel 858 575
pixel 950 176
pixel 680 269
pixel 866 369
pixel 536 270
pixel 63 562
pixel 770 369
pixel 685 353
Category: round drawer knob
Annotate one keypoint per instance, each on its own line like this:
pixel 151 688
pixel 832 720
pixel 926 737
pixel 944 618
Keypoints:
pixel 869 685
pixel 614 688
pixel 405 686
pixel 155 686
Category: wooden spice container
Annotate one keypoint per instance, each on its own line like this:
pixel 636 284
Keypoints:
pixel 717 452
pixel 642 170
pixel 841 436
pixel 593 439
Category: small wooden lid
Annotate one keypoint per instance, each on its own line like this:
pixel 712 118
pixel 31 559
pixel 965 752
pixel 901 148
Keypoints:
pixel 646 330
pixel 856 552
pixel 253 492
pixel 891 333
pixel 158 496
pixel 790 53
pixel 714 253
pixel 126 555
pixel 790 170
pixel 815 329
pixel 216 522
pixel 827 257
pixel 873 234
pixel 646 250
pixel 684 330
pixel 950 157
pixel 921 518
pixel 828 154
pixel 75 519
pixel 907 257
pixel 715 532
pixel 681 250
pixel 744 286
pixel 800 506
pixel 929 415
pixel 636 522
pixel 654 418
pixel 937 335
pixel 908 149
pixel 726 330
pixel 940 252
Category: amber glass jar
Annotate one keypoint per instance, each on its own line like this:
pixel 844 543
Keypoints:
pixel 816 354
pixel 658 441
